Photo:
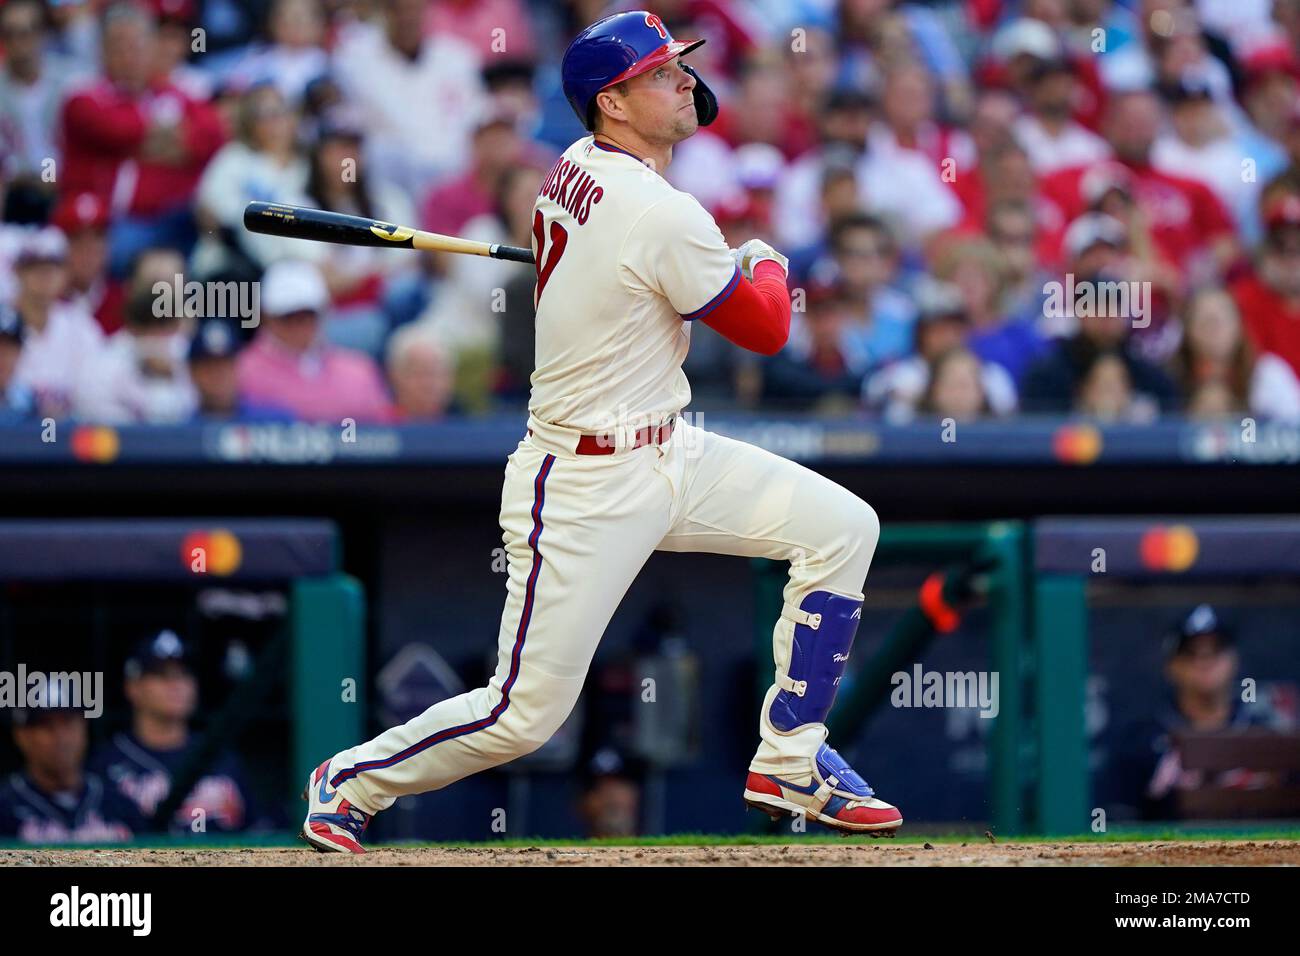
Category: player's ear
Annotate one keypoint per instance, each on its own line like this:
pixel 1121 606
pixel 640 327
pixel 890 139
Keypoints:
pixel 609 103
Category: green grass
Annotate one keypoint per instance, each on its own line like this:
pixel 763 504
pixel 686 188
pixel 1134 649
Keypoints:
pixel 1118 834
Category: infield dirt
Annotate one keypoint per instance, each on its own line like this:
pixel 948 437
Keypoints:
pixel 974 853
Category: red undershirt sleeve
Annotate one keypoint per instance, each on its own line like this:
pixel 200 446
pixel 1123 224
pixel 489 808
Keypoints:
pixel 755 316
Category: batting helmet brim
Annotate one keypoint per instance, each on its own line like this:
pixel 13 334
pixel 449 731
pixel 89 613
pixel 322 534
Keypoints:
pixel 669 51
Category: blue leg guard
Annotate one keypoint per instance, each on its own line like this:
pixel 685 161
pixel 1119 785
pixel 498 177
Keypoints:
pixel 825 625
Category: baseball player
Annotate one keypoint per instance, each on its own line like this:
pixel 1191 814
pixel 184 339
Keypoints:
pixel 608 472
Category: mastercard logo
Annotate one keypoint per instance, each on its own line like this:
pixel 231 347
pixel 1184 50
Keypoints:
pixel 95 444
pixel 1174 548
pixel 211 552
pixel 1076 444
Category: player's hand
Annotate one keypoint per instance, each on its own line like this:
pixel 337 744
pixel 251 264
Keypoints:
pixel 751 253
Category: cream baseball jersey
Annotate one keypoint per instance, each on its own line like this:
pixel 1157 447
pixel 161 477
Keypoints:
pixel 625 263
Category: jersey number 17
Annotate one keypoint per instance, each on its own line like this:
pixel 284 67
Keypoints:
pixel 543 262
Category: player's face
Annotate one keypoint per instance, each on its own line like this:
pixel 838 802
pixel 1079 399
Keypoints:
pixel 169 693
pixel 1204 666
pixel 55 744
pixel 660 104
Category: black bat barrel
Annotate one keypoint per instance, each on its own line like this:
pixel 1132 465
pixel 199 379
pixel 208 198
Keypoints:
pixel 300 222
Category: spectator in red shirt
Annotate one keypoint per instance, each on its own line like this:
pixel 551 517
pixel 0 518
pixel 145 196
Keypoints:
pixel 1269 300
pixel 137 142
pixel 1188 224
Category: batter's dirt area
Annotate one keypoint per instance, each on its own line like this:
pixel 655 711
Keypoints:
pixel 981 853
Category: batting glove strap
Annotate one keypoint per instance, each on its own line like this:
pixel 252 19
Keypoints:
pixel 751 253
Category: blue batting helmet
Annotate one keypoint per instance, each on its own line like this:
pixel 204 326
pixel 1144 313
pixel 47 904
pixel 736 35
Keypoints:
pixel 618 48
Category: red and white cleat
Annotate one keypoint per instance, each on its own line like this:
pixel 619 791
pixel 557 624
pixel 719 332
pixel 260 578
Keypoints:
pixel 333 825
pixel 837 798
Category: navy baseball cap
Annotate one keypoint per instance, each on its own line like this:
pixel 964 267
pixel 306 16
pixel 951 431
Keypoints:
pixel 214 339
pixel 153 653
pixel 1200 621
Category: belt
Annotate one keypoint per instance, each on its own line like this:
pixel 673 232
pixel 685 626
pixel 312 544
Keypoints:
pixel 604 444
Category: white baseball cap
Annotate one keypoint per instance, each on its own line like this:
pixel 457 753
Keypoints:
pixel 1026 35
pixel 1094 228
pixel 292 285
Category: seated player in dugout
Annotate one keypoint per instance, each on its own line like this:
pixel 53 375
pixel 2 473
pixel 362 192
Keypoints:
pixel 1201 667
pixel 52 799
pixel 141 763
pixel 609 471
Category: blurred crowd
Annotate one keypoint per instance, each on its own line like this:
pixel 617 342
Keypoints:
pixel 944 177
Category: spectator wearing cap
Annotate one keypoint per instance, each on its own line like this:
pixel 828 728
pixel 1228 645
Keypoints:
pixel 141 764
pixel 213 367
pixel 263 163
pixel 1219 372
pixel 16 401
pixel 610 805
pixel 290 366
pixel 61 340
pixel 1096 243
pixel 33 84
pixel 83 219
pixel 1114 242
pixel 411 147
pixel 813 371
pixel 137 141
pixel 420 373
pixel 53 799
pixel 294 57
pixel 1269 299
pixel 1190 228
pixel 1200 146
pixel 897 390
pixel 140 377
pixel 1050 135
pixel 1201 663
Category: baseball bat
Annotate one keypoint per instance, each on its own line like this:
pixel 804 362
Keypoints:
pixel 321 225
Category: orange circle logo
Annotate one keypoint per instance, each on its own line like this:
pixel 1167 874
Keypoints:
pixel 1174 548
pixel 211 552
pixel 95 444
pixel 1077 444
